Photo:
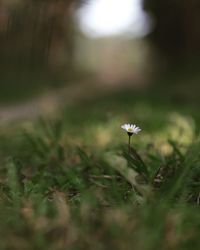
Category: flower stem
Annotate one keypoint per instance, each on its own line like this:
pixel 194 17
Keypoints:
pixel 129 144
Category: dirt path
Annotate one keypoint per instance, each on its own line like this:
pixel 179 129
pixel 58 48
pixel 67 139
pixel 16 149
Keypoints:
pixel 50 102
pixel 44 104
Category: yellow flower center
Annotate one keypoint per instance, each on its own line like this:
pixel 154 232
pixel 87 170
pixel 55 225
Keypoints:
pixel 130 130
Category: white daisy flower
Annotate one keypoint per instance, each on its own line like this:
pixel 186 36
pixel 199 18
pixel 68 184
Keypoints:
pixel 131 129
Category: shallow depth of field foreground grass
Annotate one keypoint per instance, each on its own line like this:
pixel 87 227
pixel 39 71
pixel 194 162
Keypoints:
pixel 68 182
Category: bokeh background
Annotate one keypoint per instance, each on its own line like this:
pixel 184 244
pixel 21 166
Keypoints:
pixel 71 73
pixel 63 50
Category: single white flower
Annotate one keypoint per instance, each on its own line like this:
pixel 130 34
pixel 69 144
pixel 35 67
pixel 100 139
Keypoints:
pixel 131 129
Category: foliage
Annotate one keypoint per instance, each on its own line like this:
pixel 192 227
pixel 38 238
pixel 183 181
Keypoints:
pixel 69 182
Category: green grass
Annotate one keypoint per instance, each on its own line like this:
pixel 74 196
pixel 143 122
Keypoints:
pixel 68 182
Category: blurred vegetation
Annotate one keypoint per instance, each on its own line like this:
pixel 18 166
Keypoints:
pixel 69 182
pixel 175 34
pixel 41 30
pixel 36 44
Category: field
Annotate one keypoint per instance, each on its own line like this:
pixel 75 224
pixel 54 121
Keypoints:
pixel 68 181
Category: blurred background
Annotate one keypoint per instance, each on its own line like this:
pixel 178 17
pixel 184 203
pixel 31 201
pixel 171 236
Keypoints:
pixel 53 51
pixel 71 73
